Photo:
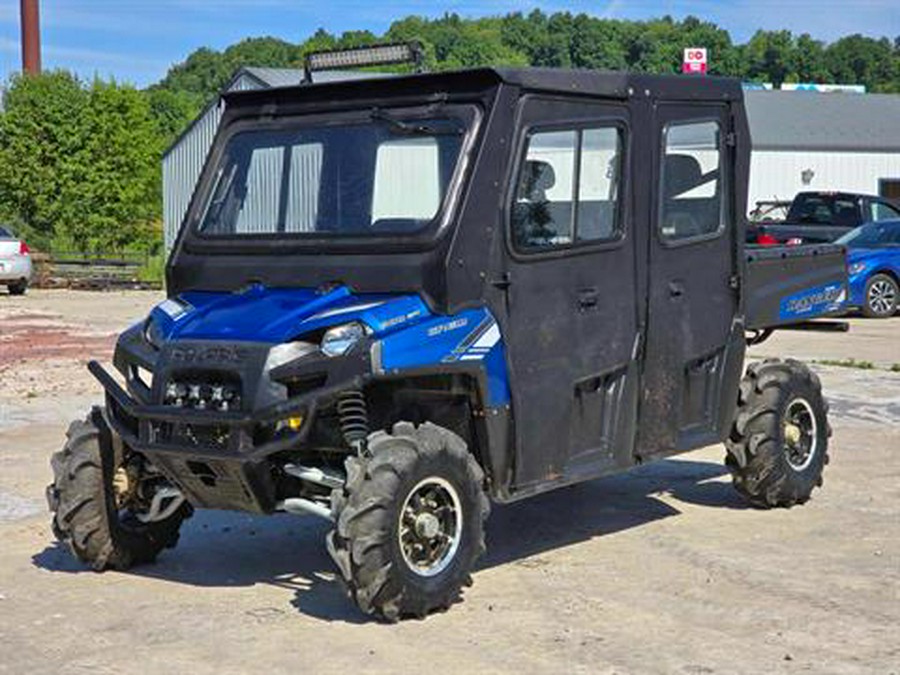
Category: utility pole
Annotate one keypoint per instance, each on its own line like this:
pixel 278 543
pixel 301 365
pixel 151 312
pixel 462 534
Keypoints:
pixel 31 37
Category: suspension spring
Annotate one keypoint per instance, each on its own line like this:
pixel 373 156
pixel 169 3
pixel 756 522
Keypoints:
pixel 354 418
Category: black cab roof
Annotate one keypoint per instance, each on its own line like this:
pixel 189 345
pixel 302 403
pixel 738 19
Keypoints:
pixel 550 80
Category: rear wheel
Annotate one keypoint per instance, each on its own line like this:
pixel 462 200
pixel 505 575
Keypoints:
pixel 882 294
pixel 109 511
pixel 410 521
pixel 778 445
pixel 17 287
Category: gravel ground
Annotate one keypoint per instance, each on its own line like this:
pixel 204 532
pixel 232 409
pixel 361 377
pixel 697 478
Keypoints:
pixel 661 570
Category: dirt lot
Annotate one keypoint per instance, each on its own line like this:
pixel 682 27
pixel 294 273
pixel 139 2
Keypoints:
pixel 662 570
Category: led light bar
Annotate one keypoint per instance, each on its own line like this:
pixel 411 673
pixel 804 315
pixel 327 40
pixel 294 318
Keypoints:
pixel 357 57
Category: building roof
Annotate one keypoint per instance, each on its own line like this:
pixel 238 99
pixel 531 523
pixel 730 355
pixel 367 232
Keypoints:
pixel 806 120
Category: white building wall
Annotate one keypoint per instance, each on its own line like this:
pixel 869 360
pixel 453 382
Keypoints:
pixel 777 174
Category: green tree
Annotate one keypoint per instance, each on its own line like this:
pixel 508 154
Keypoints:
pixel 172 111
pixel 563 40
pixel 39 140
pixel 862 60
pixel 769 56
pixel 265 51
pixel 203 73
pixel 599 44
pixel 79 166
pixel 809 60
pixel 116 169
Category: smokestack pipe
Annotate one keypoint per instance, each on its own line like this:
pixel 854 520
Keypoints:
pixel 31 37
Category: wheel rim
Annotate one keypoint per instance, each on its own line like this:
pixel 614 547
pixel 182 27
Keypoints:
pixel 882 296
pixel 430 526
pixel 800 434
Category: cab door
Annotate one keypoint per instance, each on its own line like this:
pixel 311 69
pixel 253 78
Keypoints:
pixel 693 337
pixel 570 323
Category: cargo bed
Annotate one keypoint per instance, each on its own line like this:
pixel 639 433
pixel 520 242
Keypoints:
pixel 792 284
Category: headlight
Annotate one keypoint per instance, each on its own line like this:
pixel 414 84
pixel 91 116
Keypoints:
pixel 856 268
pixel 339 340
pixel 153 334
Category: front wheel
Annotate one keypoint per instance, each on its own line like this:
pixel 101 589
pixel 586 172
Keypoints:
pixel 409 521
pixel 882 294
pixel 112 511
pixel 778 445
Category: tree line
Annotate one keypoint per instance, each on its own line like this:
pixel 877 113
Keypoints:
pixel 79 160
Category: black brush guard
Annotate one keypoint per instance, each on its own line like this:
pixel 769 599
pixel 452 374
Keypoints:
pixel 235 476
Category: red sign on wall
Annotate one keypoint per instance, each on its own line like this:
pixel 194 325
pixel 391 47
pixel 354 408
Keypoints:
pixel 694 61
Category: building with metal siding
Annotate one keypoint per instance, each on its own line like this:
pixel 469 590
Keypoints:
pixel 805 140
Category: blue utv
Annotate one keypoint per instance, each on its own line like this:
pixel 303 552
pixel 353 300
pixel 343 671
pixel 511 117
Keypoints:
pixel 393 301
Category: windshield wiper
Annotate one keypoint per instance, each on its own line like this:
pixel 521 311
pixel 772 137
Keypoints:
pixel 413 128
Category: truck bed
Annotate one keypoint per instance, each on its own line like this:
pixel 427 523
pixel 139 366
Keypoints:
pixel 791 284
pixel 805 233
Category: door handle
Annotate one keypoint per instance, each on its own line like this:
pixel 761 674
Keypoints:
pixel 588 298
pixel 676 289
pixel 503 282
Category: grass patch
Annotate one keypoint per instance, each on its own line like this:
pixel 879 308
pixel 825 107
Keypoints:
pixel 154 270
pixel 895 367
pixel 849 363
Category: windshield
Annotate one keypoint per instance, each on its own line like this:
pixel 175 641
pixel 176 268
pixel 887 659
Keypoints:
pixel 5 234
pixel 873 235
pixel 385 175
pixel 824 210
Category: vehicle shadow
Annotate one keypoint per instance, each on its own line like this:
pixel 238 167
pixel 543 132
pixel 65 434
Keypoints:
pixel 225 549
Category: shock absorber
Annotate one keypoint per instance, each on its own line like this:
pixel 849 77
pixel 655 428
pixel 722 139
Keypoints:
pixel 354 418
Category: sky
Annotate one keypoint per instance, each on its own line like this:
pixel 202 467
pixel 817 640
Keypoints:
pixel 137 41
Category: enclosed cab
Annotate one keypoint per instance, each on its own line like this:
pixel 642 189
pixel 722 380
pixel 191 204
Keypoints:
pixel 392 301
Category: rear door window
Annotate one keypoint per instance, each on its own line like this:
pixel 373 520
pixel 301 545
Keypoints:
pixel 692 185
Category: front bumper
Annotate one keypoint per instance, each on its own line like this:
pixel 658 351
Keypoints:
pixel 222 459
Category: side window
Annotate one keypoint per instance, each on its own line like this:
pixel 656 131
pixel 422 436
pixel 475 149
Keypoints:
pixel 568 189
pixel 882 211
pixel 692 184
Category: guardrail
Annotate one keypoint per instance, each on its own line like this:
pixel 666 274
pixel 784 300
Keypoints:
pixel 96 271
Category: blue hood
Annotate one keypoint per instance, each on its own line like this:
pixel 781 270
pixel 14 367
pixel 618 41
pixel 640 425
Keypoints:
pixel 276 315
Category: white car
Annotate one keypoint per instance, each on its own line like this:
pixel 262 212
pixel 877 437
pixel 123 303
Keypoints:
pixel 15 263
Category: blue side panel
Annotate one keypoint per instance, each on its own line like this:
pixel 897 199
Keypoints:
pixel 470 336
